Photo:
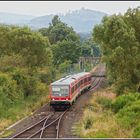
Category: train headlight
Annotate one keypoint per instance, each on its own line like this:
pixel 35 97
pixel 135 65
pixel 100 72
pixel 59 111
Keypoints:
pixel 66 99
pixel 53 99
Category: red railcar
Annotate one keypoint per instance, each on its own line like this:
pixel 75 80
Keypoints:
pixel 65 91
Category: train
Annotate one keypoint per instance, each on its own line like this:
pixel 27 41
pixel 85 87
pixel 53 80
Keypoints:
pixel 64 92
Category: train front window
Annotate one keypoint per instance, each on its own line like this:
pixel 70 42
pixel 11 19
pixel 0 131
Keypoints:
pixel 60 90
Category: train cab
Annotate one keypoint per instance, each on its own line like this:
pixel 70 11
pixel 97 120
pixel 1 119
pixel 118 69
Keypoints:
pixel 64 91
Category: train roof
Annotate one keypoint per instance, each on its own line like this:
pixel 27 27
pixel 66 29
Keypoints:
pixel 69 79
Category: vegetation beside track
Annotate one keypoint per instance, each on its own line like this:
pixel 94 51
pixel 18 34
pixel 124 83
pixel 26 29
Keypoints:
pixel 119 38
pixel 109 116
pixel 117 114
pixel 30 61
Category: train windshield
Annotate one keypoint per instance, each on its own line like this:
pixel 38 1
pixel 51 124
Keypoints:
pixel 60 90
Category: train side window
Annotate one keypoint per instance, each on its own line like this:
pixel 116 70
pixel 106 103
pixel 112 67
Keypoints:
pixel 72 90
pixel 89 79
pixel 75 88
pixel 78 84
pixel 85 80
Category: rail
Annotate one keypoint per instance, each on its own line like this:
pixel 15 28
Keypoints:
pixel 53 120
pixel 39 132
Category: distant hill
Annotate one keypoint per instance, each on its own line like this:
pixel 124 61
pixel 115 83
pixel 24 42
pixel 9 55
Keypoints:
pixel 8 18
pixel 81 20
pixel 84 36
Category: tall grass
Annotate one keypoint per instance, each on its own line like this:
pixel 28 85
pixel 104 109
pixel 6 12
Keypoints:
pixel 22 108
pixel 101 121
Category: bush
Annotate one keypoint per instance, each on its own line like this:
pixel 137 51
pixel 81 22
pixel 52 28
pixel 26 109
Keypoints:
pixel 9 91
pixel 46 75
pixel 136 132
pixel 123 100
pixel 88 123
pixel 9 62
pixel 9 94
pixel 105 102
pixel 129 116
pixel 26 82
pixel 65 66
pixel 41 88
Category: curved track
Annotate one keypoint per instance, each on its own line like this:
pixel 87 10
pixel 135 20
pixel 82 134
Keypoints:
pixel 50 125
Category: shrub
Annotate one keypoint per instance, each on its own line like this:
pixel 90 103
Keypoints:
pixel 88 123
pixel 105 102
pixel 129 116
pixel 41 88
pixel 46 76
pixel 136 132
pixel 9 91
pixel 65 66
pixel 26 82
pixel 9 62
pixel 9 94
pixel 123 100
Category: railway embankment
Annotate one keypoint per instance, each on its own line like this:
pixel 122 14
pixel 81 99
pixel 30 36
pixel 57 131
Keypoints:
pixel 109 116
pixel 72 116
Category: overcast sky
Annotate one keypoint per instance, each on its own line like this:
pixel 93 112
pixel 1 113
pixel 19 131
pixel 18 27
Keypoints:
pixel 39 8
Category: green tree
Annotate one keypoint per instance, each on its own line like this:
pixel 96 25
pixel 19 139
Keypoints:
pixel 55 20
pixel 9 62
pixel 65 42
pixel 89 48
pixel 65 50
pixel 132 18
pixel 65 66
pixel 120 50
pixel 30 45
pixel 9 91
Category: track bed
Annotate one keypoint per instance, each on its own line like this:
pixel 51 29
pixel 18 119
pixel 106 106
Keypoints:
pixel 68 119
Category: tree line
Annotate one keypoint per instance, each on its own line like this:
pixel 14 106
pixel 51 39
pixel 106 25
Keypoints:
pixel 30 60
pixel 119 38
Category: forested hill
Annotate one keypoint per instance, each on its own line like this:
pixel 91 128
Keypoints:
pixel 82 20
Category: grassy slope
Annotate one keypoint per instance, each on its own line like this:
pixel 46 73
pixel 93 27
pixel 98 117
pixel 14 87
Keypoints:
pixel 99 121
pixel 22 109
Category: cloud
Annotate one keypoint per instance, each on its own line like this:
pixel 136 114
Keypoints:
pixel 38 8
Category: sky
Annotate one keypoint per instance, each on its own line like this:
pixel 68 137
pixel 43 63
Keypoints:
pixel 40 8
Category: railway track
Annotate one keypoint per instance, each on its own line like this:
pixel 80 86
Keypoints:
pixel 49 126
pixel 96 81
